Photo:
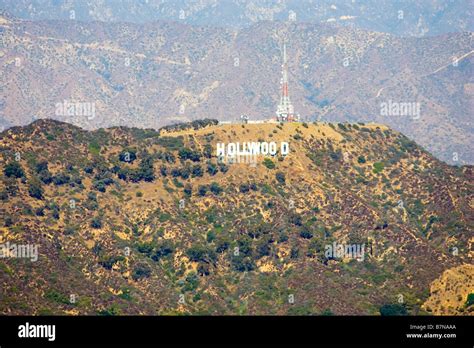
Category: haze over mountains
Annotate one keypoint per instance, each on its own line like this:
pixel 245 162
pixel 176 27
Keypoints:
pixel 158 73
pixel 401 17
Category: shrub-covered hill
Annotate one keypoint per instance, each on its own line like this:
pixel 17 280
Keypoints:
pixel 131 221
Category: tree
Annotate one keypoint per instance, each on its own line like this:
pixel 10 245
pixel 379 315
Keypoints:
pixel 128 155
pixel 140 271
pixel 145 248
pixel 39 211
pixel 99 186
pixel 192 282
pixel 35 190
pixel 14 169
pixel 361 159
pixel 109 261
pixel 188 190
pixel 306 233
pixel 208 150
pixel 43 172
pixel 45 176
pixel 378 167
pixel 185 172
pixel 55 210
pixel 61 179
pixel 146 169
pixel 163 249
pixel 197 171
pixel 245 246
pixel 280 176
pixel 164 171
pixel 316 249
pixel 96 222
pixel 186 153
pixel 202 190
pixel 40 166
pixel 211 235
pixel 263 248
pixel 200 253
pixel 267 162
pixel 295 219
pixel 203 269
pixel 223 168
pixel 215 188
pixel 243 263
pixel 222 244
pixel 211 169
pixel 244 188
pixel 175 172
pixel 393 309
pixel 470 300
pixel 294 252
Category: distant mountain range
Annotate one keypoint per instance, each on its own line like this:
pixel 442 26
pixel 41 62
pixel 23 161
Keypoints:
pixel 153 74
pixel 401 17
pixel 134 221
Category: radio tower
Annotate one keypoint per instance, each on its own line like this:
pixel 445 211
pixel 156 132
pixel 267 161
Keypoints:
pixel 285 111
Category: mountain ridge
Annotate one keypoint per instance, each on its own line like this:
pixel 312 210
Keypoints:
pixel 160 73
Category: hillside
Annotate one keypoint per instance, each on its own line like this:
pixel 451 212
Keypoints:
pixel 133 221
pixel 154 74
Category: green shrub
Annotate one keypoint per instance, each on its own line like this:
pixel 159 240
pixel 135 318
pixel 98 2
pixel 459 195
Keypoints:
pixel 215 188
pixel 188 190
pixel 200 253
pixel 186 153
pixel 163 249
pixel 306 233
pixel 395 309
pixel 212 169
pixel 94 148
pixel 470 300
pixel 128 155
pixel 378 167
pixel 35 190
pixel 14 169
pixel 202 190
pixel 243 263
pixel 96 222
pixel 140 271
pixel 267 162
pixel 280 177
pixel 171 143
pixel 109 261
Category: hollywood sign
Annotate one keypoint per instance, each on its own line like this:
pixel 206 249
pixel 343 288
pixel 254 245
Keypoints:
pixel 252 148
